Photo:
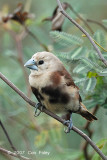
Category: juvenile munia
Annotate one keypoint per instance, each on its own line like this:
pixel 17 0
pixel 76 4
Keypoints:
pixel 54 88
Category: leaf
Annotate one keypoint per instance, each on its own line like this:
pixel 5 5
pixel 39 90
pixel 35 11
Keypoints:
pixel 81 80
pixel 81 68
pixel 99 37
pixel 65 39
pixel 103 72
pixel 93 56
pixel 91 74
pixel 91 64
pixel 101 143
pixel 75 54
pixel 84 66
pixel 90 84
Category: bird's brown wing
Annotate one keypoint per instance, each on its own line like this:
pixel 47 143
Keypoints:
pixel 67 77
pixel 70 82
pixel 37 94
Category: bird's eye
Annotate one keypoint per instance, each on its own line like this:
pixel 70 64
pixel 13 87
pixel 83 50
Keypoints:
pixel 40 62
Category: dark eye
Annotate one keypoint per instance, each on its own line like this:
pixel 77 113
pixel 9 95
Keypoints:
pixel 41 62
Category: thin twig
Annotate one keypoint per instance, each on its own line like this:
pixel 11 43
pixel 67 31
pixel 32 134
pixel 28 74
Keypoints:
pixel 96 43
pixel 9 140
pixel 13 154
pixel 98 23
pixel 82 19
pixel 18 41
pixel 54 116
pixel 86 33
pixel 35 38
pixel 90 133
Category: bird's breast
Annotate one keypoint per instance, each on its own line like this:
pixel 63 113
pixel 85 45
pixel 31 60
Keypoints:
pixel 55 99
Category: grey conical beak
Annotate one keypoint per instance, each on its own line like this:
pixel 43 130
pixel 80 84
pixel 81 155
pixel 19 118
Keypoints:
pixel 31 64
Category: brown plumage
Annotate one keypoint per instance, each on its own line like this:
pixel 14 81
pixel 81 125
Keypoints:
pixel 53 86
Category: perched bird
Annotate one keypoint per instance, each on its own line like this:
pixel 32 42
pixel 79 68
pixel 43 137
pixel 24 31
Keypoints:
pixel 54 88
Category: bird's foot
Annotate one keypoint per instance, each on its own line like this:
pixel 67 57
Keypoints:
pixel 70 125
pixel 40 106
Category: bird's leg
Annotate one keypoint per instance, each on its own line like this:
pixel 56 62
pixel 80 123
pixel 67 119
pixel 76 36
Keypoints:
pixel 70 124
pixel 38 105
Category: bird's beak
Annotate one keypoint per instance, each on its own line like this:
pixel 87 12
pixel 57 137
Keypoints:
pixel 31 64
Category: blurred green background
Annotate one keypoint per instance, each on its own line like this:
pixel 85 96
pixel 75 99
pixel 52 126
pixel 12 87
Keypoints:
pixel 43 133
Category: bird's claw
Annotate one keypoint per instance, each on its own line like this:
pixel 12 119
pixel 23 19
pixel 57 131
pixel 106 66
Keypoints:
pixel 38 105
pixel 66 121
pixel 70 125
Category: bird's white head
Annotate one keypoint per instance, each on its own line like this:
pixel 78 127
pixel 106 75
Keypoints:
pixel 42 62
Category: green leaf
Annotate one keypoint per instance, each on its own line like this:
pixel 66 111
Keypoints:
pixel 99 37
pixel 81 68
pixel 65 39
pixel 93 56
pixel 87 65
pixel 92 74
pixel 84 66
pixel 75 54
pixel 80 80
pixel 90 84
pixel 103 72
pixel 91 64
pixel 101 143
pixel 88 62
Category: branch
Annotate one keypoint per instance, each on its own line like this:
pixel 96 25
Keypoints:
pixel 90 133
pixel 9 140
pixel 13 154
pixel 18 41
pixel 86 33
pixel 98 23
pixel 54 116
pixel 35 38
pixel 82 19
pixel 96 43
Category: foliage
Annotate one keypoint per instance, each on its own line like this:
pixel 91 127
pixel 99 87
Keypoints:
pixel 81 60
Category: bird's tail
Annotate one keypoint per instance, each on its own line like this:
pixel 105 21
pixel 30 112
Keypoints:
pixel 86 114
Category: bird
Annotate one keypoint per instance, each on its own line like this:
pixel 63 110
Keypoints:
pixel 54 88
